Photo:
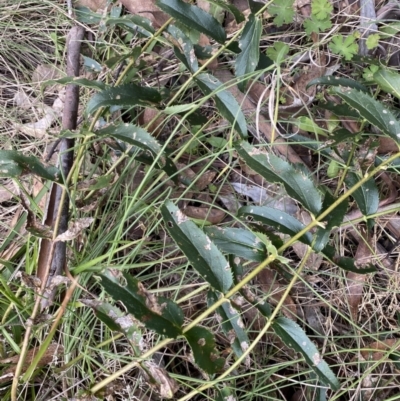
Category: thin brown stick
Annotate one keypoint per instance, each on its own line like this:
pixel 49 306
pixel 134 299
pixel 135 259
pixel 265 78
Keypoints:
pixel 69 121
pixel 52 255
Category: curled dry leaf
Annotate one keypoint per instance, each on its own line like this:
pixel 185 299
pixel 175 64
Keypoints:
pixel 75 229
pixel 93 5
pixel 355 281
pixel 379 349
pixel 213 215
pixel 51 352
pixel 160 380
pixel 38 129
pixel 155 127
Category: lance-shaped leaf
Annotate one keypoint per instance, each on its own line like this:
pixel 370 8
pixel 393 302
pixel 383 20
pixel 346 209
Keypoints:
pixel 114 319
pixel 344 263
pixel 202 253
pixel 133 135
pixel 249 43
pixel 193 17
pixel 239 242
pixel 277 219
pixel 134 24
pixel 204 349
pixel 372 110
pixel 293 336
pixel 239 17
pixel 86 83
pixel 297 184
pixel 226 103
pixel 232 324
pixel 13 164
pixel 238 272
pixel 337 81
pixel 334 219
pixel 156 313
pixel 184 49
pixel 367 196
pixel 389 81
pixel 124 96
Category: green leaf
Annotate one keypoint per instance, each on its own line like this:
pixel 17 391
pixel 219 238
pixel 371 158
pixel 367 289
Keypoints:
pixel 277 219
pixel 333 169
pixel 284 11
pixel 389 81
pixel 239 242
pixel 367 196
pixel 13 164
pixel 239 17
pixel 315 25
pixel 339 109
pixel 86 16
pixel 133 135
pixel 198 248
pixel 232 324
pixel 204 349
pixel 372 110
pixel 293 336
pixel 87 83
pixel 297 184
pixel 91 65
pixel 334 219
pixel 321 9
pixel 278 52
pixel 134 24
pixel 306 124
pixel 372 41
pixel 345 263
pixel 338 81
pixel 225 101
pixel 249 43
pixel 156 313
pixel 217 142
pixel 185 51
pixel 114 319
pixel 127 95
pixel 345 47
pixel 194 18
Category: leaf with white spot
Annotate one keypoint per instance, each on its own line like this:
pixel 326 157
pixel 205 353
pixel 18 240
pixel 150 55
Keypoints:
pixel 135 24
pixel 204 349
pixel 297 183
pixel 86 83
pixel 372 110
pixel 294 337
pixel 201 252
pixel 337 81
pixel 367 196
pixel 156 313
pixel 226 103
pixel 127 95
pixel 114 319
pixel 389 81
pixel 249 43
pixel 231 323
pixel 277 219
pixel 132 135
pixel 13 164
pixel 238 241
pixel 334 219
pixel 184 49
pixel 194 18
